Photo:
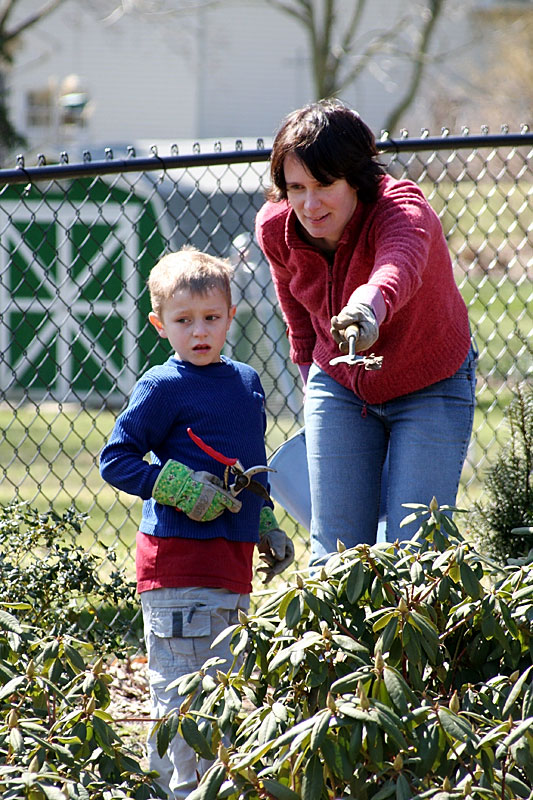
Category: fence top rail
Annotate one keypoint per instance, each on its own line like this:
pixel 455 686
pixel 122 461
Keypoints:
pixel 134 163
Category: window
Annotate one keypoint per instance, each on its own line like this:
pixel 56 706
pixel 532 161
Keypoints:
pixel 39 108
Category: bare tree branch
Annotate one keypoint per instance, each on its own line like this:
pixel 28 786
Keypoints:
pixel 419 62
pixel 339 64
pixel 8 35
pixel 304 11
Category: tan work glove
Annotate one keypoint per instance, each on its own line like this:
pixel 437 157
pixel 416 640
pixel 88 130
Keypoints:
pixel 359 314
pixel 275 548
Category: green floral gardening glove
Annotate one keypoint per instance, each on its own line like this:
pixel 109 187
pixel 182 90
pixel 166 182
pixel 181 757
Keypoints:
pixel 200 495
pixel 275 547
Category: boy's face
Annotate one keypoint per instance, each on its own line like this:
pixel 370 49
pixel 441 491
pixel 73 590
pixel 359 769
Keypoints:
pixel 195 324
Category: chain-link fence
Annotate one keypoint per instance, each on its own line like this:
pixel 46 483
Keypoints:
pixel 77 242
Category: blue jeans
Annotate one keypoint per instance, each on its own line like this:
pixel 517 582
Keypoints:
pixel 425 435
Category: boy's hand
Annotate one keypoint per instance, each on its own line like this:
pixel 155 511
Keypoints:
pixel 275 547
pixel 200 495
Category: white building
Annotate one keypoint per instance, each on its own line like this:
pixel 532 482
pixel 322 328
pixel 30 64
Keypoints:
pixel 87 77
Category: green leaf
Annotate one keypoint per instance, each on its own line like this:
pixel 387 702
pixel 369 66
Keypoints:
pixel 9 622
pixel 313 780
pixel 527 703
pixel 16 741
pixel 51 792
pixel 232 699
pixel 320 729
pixel 355 584
pixel 195 738
pixel 51 651
pixel 279 659
pixel 516 733
pixel 11 686
pixel 242 641
pixel 455 726
pixel 332 756
pixel 507 618
pixel 470 582
pixel 294 611
pixel 391 724
pixel 412 517
pixel 517 786
pixel 411 643
pixel 417 573
pixel 397 688
pixel 350 645
pixel 269 728
pixel 514 694
pixel 448 525
pixel 165 733
pixel 353 711
pixel 348 683
pixel 312 602
pixel 301 727
pixel 249 664
pixel 428 747
pixel 286 599
pixel 388 637
pixel 403 790
pixel 387 790
pixel 425 625
pixel 186 684
pixel 224 634
pixel 103 734
pixel 279 790
pixel 210 783
pixel 74 657
pixel 384 620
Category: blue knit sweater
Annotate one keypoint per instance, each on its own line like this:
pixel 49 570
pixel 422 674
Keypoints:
pixel 224 404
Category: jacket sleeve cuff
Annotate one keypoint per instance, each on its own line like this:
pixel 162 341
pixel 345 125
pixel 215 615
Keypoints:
pixel 301 349
pixel 371 295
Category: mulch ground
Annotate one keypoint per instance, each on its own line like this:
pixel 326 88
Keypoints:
pixel 130 702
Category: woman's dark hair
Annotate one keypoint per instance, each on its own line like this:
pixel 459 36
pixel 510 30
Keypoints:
pixel 333 142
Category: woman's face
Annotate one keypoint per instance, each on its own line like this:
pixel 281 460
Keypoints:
pixel 322 209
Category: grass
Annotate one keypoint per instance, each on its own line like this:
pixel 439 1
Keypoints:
pixel 49 453
pixel 50 458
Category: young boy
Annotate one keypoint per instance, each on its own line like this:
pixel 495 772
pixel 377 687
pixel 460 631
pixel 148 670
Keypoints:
pixel 196 538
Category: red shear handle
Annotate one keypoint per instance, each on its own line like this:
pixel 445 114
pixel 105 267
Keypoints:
pixel 229 462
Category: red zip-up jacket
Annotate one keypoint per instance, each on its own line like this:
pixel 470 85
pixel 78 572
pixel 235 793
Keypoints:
pixel 395 244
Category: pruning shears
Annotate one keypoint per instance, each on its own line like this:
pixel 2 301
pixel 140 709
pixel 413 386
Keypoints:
pixel 244 478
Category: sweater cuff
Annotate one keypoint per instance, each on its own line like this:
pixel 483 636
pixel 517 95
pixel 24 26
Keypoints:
pixel 301 350
pixel 371 295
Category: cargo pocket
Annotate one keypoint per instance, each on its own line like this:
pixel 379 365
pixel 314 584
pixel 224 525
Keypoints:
pixel 171 633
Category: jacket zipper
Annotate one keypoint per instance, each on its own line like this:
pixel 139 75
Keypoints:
pixel 330 289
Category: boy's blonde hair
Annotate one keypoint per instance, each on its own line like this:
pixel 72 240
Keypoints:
pixel 191 270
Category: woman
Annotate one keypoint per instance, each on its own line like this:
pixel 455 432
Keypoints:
pixel 348 244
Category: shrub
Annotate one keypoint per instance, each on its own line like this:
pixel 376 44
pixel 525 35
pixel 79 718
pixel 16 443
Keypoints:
pixel 58 582
pixel 507 498
pixel 395 672
pixel 57 740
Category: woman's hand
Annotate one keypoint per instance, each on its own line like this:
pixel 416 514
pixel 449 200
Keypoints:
pixel 359 314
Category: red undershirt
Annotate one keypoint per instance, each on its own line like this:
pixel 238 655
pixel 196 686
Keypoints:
pixel 176 562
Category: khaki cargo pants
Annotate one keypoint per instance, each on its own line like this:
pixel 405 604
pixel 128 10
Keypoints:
pixel 179 626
